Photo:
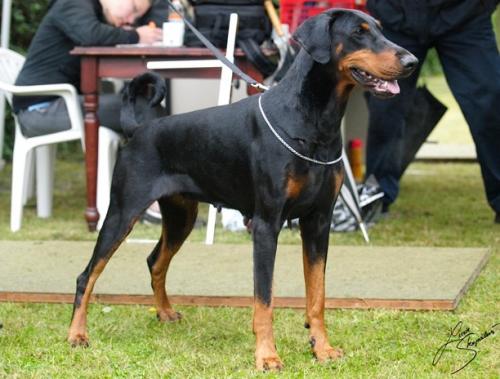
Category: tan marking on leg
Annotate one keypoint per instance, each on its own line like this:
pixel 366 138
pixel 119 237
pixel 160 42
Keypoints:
pixel 337 181
pixel 77 334
pixel 266 357
pixel 314 275
pixel 78 330
pixel 165 311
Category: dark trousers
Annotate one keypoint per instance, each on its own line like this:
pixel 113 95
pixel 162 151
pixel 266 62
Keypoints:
pixel 471 64
pixel 53 116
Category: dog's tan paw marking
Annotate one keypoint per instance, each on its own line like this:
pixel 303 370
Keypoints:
pixel 168 316
pixel 328 353
pixel 272 363
pixel 79 339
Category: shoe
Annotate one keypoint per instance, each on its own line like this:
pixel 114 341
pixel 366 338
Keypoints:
pixel 152 215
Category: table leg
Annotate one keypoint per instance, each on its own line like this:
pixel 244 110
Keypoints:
pixel 89 82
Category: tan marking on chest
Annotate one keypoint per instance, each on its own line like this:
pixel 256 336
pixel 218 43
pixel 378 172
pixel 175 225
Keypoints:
pixel 295 185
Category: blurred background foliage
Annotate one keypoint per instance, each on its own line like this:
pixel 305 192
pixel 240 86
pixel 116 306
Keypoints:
pixel 26 16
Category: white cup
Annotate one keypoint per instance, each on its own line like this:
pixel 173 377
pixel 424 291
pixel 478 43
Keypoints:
pixel 173 33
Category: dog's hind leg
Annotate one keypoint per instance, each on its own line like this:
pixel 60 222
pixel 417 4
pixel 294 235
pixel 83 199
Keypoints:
pixel 315 233
pixel 119 222
pixel 178 218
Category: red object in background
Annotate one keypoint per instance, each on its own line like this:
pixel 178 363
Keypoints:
pixel 294 12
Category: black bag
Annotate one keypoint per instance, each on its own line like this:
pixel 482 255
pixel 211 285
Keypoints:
pixel 211 18
pixel 420 121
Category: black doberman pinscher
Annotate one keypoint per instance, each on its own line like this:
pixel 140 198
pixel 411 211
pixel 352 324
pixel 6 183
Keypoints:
pixel 272 156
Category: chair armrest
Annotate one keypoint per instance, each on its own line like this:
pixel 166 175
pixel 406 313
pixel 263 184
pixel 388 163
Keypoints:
pixel 64 90
pixel 60 89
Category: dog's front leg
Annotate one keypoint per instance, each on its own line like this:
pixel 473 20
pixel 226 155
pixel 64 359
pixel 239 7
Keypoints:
pixel 315 233
pixel 265 236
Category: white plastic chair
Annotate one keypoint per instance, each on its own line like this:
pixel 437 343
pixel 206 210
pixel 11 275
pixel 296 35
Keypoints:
pixel 24 159
pixel 109 142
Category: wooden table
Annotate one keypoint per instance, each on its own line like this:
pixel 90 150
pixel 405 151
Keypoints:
pixel 127 62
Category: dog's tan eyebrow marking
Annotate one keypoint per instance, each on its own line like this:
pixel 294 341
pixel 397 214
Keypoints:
pixel 339 48
pixel 365 26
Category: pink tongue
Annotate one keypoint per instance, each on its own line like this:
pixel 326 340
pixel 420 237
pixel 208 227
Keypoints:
pixel 388 86
pixel 393 87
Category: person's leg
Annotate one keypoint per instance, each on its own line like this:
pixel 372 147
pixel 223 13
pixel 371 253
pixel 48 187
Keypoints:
pixel 44 118
pixel 471 62
pixel 387 124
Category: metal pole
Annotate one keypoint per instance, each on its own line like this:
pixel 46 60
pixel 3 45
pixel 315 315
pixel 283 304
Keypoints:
pixel 6 9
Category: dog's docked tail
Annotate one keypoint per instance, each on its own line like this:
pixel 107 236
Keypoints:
pixel 149 85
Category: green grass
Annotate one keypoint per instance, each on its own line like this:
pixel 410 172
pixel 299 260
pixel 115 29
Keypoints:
pixel 440 205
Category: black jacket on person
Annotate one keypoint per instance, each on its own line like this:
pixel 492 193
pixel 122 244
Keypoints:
pixel 427 17
pixel 70 23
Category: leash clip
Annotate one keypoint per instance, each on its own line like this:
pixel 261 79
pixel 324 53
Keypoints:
pixel 260 86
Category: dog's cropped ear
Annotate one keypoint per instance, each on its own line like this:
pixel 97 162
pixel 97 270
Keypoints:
pixel 314 36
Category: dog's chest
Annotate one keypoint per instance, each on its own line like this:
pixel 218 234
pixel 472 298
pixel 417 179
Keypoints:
pixel 312 186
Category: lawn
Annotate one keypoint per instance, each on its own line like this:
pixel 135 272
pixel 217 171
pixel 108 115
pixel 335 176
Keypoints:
pixel 440 205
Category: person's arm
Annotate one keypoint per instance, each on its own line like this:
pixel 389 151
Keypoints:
pixel 78 20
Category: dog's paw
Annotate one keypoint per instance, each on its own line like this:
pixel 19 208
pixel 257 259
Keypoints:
pixel 168 316
pixel 328 353
pixel 78 339
pixel 272 363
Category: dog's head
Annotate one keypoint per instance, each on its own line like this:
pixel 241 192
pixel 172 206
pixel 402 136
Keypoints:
pixel 353 44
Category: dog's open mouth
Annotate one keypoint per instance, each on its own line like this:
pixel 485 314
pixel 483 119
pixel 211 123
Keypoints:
pixel 377 86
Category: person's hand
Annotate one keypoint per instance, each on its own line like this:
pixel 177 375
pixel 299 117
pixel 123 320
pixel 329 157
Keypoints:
pixel 148 35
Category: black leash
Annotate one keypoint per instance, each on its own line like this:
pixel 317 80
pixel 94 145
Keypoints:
pixel 251 81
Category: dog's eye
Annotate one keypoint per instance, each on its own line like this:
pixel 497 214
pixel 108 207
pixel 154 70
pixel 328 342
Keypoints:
pixel 359 30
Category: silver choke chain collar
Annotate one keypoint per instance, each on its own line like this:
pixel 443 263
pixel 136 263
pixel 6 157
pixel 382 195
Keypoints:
pixel 291 149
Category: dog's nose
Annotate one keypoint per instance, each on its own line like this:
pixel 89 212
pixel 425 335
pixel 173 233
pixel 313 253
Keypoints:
pixel 409 62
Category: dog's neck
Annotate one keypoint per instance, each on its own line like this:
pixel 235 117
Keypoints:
pixel 306 104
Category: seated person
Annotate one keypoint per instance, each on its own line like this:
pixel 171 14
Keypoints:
pixel 70 23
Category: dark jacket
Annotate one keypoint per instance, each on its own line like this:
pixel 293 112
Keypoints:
pixel 424 17
pixel 70 23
